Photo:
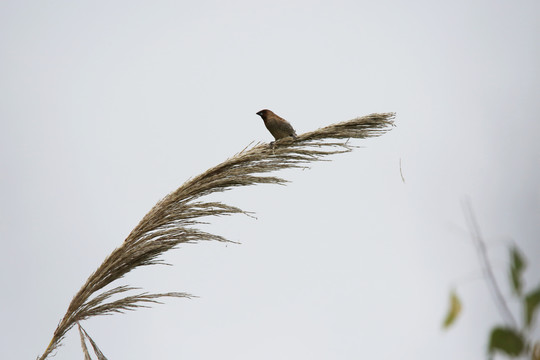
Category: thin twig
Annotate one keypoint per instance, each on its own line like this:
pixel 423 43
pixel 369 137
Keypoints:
pixel 477 238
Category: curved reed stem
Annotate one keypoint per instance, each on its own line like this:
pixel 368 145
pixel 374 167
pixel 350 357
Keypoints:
pixel 173 219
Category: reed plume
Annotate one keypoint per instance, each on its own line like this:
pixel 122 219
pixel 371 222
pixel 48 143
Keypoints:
pixel 173 220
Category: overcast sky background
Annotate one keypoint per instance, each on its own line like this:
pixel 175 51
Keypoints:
pixel 105 107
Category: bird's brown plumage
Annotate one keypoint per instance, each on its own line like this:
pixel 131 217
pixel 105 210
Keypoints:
pixel 278 127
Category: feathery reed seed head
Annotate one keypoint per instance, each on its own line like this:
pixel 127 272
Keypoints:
pixel 172 220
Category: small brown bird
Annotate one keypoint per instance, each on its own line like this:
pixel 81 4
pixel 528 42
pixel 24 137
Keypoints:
pixel 278 127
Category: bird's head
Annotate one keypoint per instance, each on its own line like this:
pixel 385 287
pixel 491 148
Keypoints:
pixel 264 113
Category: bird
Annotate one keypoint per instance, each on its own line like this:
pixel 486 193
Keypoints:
pixel 278 127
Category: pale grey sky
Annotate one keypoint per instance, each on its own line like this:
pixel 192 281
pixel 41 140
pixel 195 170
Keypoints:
pixel 106 107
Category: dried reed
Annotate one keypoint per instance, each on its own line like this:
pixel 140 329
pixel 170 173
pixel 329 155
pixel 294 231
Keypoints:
pixel 171 221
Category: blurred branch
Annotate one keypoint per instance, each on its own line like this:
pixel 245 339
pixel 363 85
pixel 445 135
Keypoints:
pixel 478 241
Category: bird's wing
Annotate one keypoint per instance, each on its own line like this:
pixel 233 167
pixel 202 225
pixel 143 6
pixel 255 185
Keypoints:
pixel 288 127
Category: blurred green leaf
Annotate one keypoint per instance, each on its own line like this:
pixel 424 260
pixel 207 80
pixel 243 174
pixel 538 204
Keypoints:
pixel 506 340
pixel 517 265
pixel 532 300
pixel 453 311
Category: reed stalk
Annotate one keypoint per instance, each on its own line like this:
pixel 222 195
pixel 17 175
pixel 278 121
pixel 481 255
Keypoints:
pixel 174 219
